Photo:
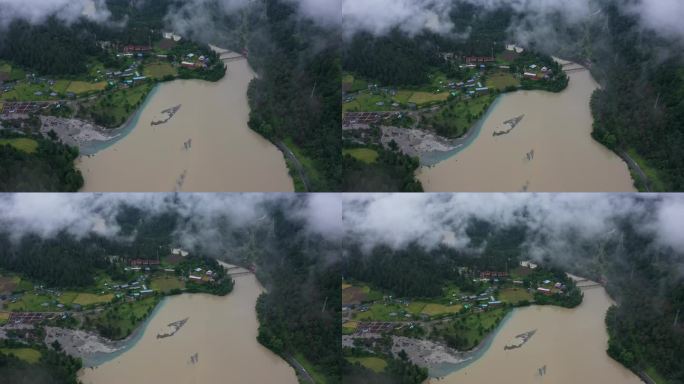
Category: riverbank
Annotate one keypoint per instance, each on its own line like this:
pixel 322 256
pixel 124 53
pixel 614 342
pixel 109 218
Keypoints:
pixel 556 128
pixel 568 346
pixel 206 146
pixel 216 343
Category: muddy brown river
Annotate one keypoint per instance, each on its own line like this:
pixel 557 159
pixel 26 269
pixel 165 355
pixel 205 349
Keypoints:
pixel 205 147
pixel 217 344
pixel 556 130
pixel 569 346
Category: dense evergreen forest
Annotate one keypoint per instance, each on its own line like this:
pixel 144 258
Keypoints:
pixel 65 260
pixel 640 109
pixel 52 48
pixel 49 169
pixel 400 59
pixel 297 94
pixel 392 171
pixel 300 314
pixel 54 366
pixel 398 371
pixel 646 327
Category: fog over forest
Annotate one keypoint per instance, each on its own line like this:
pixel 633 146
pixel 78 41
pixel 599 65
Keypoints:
pixel 555 224
pixel 203 217
pixel 537 18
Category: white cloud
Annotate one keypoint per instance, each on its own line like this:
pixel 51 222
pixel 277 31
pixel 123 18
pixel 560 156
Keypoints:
pixel 552 220
pixel 36 11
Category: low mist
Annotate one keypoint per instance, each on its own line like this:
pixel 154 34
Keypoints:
pixel 204 219
pixel 555 223
pixel 536 22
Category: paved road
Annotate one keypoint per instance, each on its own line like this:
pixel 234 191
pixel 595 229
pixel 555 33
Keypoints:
pixel 637 169
pixel 300 168
pixel 301 371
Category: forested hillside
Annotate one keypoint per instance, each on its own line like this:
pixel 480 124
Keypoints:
pixel 300 315
pixel 51 48
pixel 400 59
pixel 45 166
pixel 640 109
pixel 53 367
pixel 295 100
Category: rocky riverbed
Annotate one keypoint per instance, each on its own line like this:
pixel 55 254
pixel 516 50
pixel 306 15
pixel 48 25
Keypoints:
pixel 76 132
pixel 80 343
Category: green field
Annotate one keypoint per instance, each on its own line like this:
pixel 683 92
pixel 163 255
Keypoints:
pixel 422 98
pixel 4 316
pixel 27 92
pixel 31 302
pixel 360 292
pixel 68 297
pixel 353 84
pixel 349 327
pixel 91 298
pixel 471 324
pixel 501 80
pixel 310 167
pixel 124 318
pixel 79 87
pixel 10 72
pixel 514 295
pixel 375 364
pixel 432 309
pixel 166 283
pixel 457 116
pixel 657 184
pixel 367 155
pixel 22 144
pixel 8 284
pixel 318 377
pixel 383 312
pixel 29 355
pixel 655 376
pixel 403 96
pixel 159 70
pixel 115 108
pixel 368 102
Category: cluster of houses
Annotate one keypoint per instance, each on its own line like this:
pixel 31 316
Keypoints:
pixel 200 276
pixel 172 36
pixel 546 290
pixel 514 48
pixel 532 74
pixel 481 302
pixel 192 61
pixel 132 290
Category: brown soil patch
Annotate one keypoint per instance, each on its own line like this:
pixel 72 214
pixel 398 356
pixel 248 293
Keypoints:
pixel 353 295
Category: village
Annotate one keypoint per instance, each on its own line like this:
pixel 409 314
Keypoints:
pixel 135 289
pixel 435 332
pixel 435 119
pixel 108 93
